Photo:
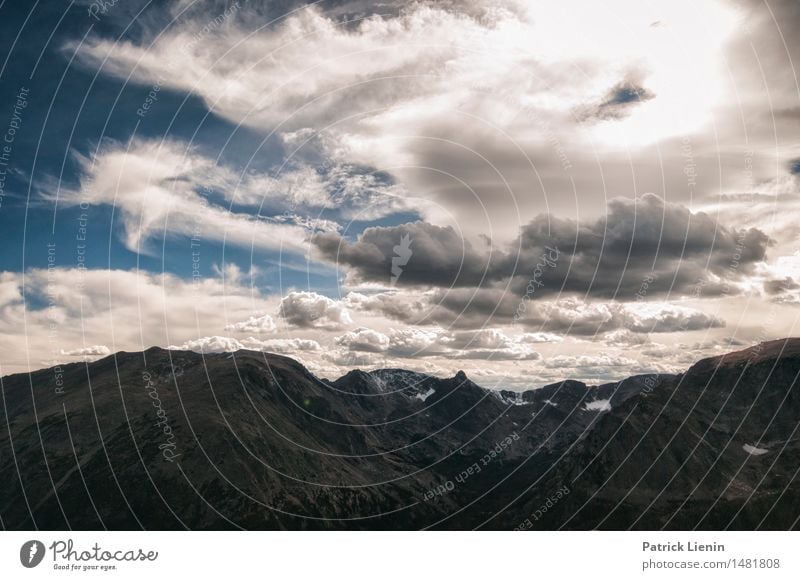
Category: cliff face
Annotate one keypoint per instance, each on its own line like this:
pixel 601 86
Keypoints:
pixel 172 440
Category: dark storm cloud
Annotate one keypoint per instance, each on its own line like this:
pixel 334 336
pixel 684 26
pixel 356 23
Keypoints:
pixel 473 306
pixel 792 114
pixel 645 239
pixel 437 256
pixel 640 239
pixel 780 286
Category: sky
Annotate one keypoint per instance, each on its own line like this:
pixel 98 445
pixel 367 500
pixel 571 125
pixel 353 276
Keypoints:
pixel 524 190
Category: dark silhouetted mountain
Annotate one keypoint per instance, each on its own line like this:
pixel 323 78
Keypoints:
pixel 172 439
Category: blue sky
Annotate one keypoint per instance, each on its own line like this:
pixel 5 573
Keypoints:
pixel 73 110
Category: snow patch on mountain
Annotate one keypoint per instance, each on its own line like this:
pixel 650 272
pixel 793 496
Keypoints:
pixel 423 396
pixel 511 398
pixel 754 450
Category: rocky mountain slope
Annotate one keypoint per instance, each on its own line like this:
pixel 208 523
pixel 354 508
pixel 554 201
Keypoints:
pixel 172 440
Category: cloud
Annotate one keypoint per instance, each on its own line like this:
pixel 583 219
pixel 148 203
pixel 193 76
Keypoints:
pixel 672 247
pixel 663 318
pixel 489 344
pixel 254 325
pixel 403 343
pixel 439 255
pixel 296 72
pixel 643 238
pixel 625 338
pixel 484 344
pixel 312 310
pixel 618 102
pixel 169 188
pixel 350 359
pixel 334 190
pixel 588 362
pixel 405 306
pixel 574 316
pixel 488 338
pixel 219 344
pixel 10 289
pixel 416 342
pixel 780 286
pixel 512 353
pixel 282 345
pixel 787 299
pixel 164 188
pixel 473 307
pixel 626 93
pixel 548 318
pixel 210 345
pixel 88 351
pixel 113 309
pixel 539 337
pixel 364 339
pixel 478 94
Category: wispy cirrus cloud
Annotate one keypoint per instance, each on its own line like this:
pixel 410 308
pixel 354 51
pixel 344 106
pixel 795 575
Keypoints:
pixel 166 188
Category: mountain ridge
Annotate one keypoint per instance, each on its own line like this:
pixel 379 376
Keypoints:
pixel 759 351
pixel 168 439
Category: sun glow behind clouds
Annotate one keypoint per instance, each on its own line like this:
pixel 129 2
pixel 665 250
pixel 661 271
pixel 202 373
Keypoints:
pixel 671 49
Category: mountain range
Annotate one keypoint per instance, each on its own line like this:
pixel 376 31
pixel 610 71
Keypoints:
pixel 166 439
